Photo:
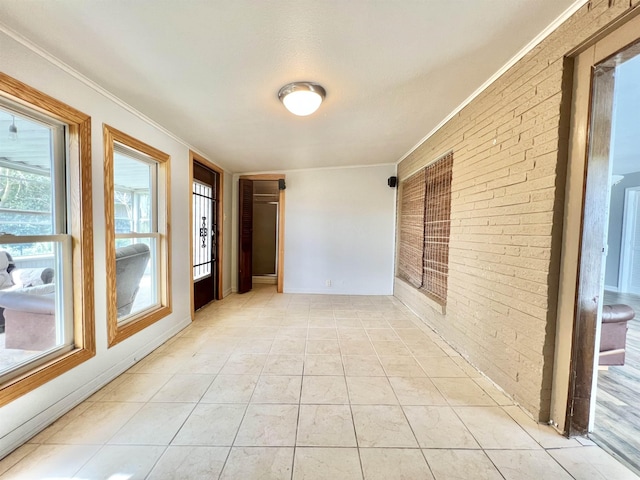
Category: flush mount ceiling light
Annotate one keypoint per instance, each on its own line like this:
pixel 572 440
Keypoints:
pixel 302 98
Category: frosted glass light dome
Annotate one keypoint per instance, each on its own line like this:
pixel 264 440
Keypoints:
pixel 302 98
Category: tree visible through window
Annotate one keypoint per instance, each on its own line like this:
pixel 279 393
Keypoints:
pixel 46 250
pixel 35 241
pixel 25 199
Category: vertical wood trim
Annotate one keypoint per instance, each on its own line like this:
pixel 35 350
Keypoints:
pixel 81 210
pixel 589 303
pixel 84 317
pixel 192 308
pixel 220 235
pixel 110 234
pixel 281 209
pixel 576 164
pixel 193 156
pixel 165 261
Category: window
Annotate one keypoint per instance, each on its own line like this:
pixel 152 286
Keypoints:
pixel 437 223
pixel 425 220
pixel 411 245
pixel 137 219
pixel 46 256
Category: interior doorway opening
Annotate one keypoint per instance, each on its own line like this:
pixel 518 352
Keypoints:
pixel 261 231
pixel 599 245
pixel 266 197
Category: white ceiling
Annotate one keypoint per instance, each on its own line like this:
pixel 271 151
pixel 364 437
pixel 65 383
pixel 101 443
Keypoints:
pixel 210 70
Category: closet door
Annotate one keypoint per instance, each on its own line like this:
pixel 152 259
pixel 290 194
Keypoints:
pixel 245 243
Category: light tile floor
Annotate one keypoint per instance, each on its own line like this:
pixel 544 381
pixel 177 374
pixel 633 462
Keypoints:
pixel 267 386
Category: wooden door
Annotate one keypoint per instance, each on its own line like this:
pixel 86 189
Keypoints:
pixel 205 236
pixel 245 243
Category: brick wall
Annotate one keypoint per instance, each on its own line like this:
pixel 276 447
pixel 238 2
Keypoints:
pixel 510 151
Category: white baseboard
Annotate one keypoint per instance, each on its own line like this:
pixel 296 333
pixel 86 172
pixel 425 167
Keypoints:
pixel 611 288
pixel 336 291
pixel 228 291
pixel 31 428
pixel 265 280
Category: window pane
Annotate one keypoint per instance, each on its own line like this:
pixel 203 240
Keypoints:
pixel 136 276
pixel 26 190
pixel 202 216
pixel 133 195
pixel 31 311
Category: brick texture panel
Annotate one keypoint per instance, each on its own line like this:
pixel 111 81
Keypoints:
pixel 509 147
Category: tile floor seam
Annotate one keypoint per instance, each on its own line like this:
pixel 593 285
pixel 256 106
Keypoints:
pixel 91 457
pixel 156 462
pixel 472 434
pixel 493 463
pixel 396 397
pixel 353 422
pixel 295 440
pixel 244 414
pixel 172 439
pixel 559 464
pixel 521 427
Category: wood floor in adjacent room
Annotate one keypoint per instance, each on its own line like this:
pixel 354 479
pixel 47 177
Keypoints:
pixel 617 424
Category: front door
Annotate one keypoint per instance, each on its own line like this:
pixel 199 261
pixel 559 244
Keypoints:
pixel 205 235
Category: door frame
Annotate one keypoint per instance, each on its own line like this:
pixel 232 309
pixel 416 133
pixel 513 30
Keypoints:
pixel 281 209
pixel 195 157
pixel 581 274
pixel 629 220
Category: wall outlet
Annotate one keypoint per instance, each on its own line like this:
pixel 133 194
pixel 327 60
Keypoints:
pixel 327 283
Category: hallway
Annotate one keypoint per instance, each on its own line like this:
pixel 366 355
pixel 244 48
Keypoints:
pixel 308 387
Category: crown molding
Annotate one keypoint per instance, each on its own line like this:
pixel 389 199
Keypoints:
pixel 518 56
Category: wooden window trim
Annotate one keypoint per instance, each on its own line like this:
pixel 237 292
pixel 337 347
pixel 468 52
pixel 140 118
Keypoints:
pixel 118 333
pixel 80 191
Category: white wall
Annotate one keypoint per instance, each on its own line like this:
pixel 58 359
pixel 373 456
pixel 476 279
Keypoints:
pixel 616 221
pixel 30 413
pixel 339 226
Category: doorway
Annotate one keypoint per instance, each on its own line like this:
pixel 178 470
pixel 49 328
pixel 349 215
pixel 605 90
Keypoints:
pixel 261 231
pixel 604 150
pixel 206 232
pixel 264 262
